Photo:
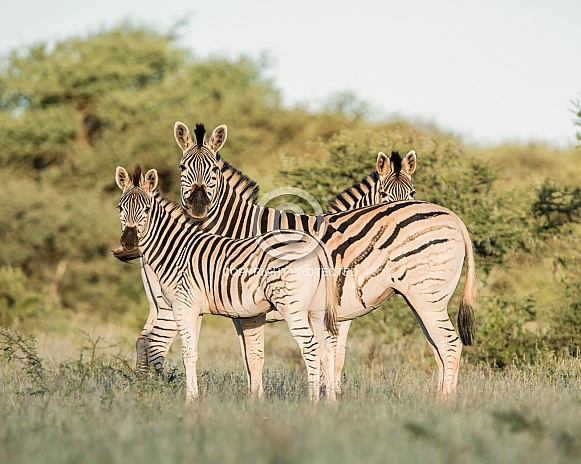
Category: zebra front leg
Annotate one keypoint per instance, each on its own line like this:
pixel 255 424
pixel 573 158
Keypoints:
pixel 251 335
pixel 142 347
pixel 340 353
pixel 187 317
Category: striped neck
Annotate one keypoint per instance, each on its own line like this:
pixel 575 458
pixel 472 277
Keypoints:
pixel 166 217
pixel 357 196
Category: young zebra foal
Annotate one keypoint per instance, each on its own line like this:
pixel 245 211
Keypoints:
pixel 202 273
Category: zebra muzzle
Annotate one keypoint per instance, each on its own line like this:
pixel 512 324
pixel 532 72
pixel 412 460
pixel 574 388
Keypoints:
pixel 129 239
pixel 198 202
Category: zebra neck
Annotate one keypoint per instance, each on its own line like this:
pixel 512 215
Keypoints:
pixel 357 196
pixel 168 224
pixel 238 217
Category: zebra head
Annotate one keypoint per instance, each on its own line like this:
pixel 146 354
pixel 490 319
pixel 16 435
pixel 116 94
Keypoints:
pixel 395 177
pixel 201 178
pixel 135 204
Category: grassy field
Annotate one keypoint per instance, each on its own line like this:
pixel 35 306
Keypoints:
pixel 90 407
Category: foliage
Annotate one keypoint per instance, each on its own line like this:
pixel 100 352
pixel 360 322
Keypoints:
pixel 72 112
pixel 503 223
pixel 557 206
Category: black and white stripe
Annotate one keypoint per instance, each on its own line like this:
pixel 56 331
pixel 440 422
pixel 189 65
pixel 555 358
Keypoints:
pixel 202 273
pixel 416 249
pixel 392 181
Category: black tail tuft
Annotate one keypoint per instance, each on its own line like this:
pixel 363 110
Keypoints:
pixel 466 325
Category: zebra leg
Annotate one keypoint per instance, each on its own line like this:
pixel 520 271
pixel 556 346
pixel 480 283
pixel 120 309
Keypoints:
pixel 310 349
pixel 327 344
pixel 445 343
pixel 161 337
pixel 238 326
pixel 340 353
pixel 160 329
pixel 251 335
pixel 142 344
pixel 187 317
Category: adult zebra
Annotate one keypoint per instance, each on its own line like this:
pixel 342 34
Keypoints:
pixel 416 249
pixel 205 273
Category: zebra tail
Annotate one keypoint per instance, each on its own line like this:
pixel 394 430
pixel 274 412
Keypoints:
pixel 331 296
pixel 466 323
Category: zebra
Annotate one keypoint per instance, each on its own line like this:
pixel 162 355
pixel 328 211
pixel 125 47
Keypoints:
pixel 391 181
pixel 207 273
pixel 412 248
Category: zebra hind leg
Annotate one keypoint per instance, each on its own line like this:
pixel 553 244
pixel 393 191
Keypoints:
pixel 340 353
pixel 298 323
pixel 327 343
pixel 446 346
pixel 160 338
pixel 251 335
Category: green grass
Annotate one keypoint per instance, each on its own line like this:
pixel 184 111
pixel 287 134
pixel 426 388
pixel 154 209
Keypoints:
pixel 92 408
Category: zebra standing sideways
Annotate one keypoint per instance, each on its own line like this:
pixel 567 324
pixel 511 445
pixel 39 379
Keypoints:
pixel 392 181
pixel 412 248
pixel 205 273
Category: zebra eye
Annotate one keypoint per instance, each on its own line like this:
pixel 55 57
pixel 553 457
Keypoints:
pixel 413 194
pixel 147 210
pixel 182 167
pixel 120 208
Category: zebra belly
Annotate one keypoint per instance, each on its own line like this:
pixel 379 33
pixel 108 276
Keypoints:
pixel 364 291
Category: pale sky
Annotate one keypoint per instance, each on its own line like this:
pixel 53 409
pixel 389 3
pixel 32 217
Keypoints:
pixel 489 70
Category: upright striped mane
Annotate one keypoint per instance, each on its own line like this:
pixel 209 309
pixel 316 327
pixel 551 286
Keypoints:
pixel 200 133
pixel 345 200
pixel 396 159
pixel 243 186
pixel 136 177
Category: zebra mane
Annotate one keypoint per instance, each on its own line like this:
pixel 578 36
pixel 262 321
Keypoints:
pixel 396 159
pixel 348 197
pixel 137 173
pixel 243 186
pixel 200 132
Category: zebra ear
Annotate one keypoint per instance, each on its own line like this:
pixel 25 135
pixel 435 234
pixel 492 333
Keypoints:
pixel 218 138
pixel 182 135
pixel 150 181
pixel 409 163
pixel 382 164
pixel 123 179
